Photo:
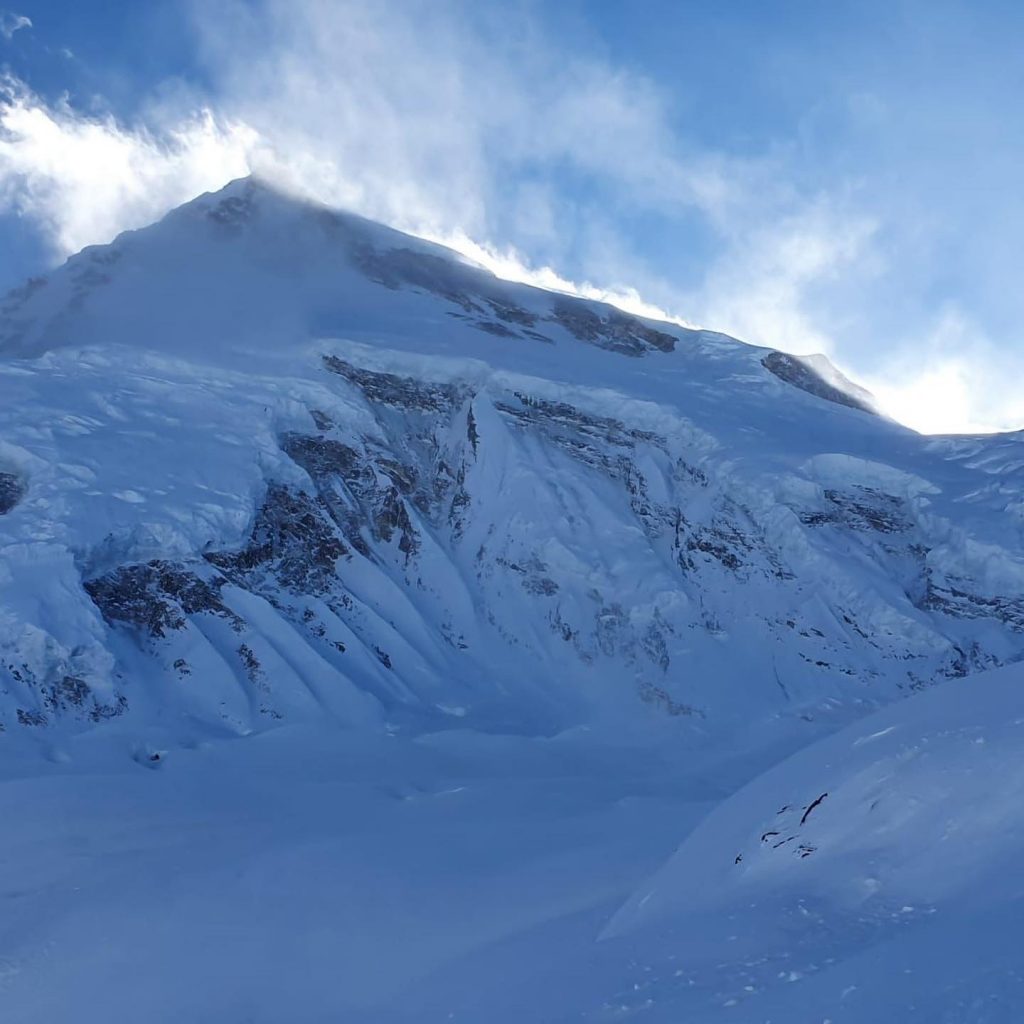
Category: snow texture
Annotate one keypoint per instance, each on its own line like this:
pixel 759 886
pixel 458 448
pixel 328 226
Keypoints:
pixel 506 591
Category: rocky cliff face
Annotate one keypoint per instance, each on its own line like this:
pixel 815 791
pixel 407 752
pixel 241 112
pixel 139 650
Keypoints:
pixel 263 462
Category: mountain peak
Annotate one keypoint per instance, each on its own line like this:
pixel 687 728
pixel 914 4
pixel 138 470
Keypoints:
pixel 251 270
pixel 283 269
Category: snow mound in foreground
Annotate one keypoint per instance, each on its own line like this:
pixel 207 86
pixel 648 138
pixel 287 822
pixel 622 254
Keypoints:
pixel 893 805
pixel 880 867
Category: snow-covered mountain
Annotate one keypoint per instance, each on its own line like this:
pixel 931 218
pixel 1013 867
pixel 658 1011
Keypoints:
pixel 267 467
pixel 265 461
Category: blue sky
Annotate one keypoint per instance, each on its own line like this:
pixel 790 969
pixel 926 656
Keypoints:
pixel 837 177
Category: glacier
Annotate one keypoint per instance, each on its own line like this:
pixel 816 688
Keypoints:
pixel 372 628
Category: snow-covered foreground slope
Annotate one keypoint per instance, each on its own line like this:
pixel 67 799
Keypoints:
pixel 503 589
pixel 309 875
pixel 304 876
pixel 876 876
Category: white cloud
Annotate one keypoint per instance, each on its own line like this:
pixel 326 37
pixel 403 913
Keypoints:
pixel 85 179
pixel 427 114
pixel 11 23
pixel 758 289
pixel 513 266
pixel 954 380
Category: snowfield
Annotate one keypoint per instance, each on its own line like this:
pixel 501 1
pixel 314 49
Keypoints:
pixel 373 630
pixel 880 867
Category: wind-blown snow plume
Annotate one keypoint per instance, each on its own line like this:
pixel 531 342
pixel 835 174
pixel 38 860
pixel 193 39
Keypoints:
pixel 84 179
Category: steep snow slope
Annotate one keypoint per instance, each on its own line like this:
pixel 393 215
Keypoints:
pixel 268 462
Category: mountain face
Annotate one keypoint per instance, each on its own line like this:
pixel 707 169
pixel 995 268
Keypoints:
pixel 269 467
pixel 265 461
